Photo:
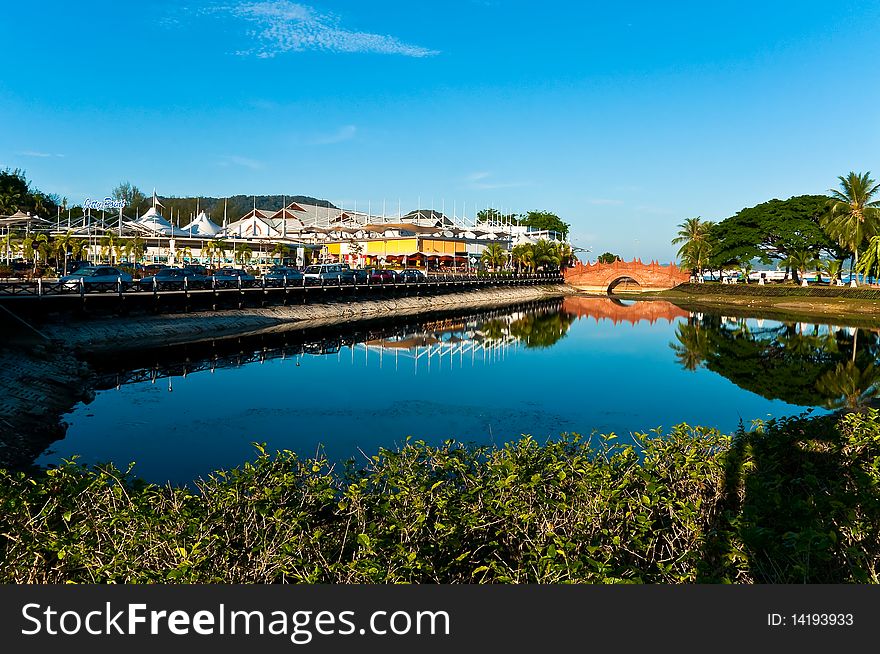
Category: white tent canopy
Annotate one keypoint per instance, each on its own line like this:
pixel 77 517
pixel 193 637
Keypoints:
pixel 152 221
pixel 202 226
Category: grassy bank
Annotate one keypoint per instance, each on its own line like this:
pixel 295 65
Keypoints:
pixel 859 307
pixel 794 501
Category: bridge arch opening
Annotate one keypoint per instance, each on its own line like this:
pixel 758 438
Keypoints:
pixel 624 284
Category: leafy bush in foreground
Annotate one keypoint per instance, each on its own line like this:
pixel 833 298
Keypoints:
pixel 791 501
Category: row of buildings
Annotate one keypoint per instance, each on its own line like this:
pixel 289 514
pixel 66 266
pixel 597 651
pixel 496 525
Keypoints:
pixel 301 233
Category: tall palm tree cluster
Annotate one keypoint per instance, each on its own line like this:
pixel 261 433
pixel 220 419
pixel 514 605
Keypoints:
pixel 541 256
pixel 852 220
pixel 58 250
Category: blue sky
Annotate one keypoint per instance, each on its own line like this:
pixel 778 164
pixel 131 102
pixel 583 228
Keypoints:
pixel 624 120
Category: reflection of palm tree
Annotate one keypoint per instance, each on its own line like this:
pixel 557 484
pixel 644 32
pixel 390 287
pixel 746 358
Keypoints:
pixel 693 346
pixel 848 387
pixel 541 330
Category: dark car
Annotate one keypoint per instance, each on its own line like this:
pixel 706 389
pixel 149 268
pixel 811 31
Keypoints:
pixel 174 279
pixel 329 273
pixel 100 278
pixel 410 276
pixel 281 275
pixel 152 268
pixel 374 276
pixel 232 277
pixel 199 268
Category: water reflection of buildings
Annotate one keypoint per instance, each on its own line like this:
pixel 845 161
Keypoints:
pixel 488 336
pixel 604 308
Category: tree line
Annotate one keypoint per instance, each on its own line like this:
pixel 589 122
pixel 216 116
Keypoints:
pixel 801 233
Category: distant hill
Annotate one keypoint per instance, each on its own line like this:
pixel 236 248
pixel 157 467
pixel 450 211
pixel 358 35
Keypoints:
pixel 236 206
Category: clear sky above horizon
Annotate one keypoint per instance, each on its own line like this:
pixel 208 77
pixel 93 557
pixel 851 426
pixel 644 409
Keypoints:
pixel 622 120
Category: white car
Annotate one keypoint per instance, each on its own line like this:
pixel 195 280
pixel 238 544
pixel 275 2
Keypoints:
pixel 91 278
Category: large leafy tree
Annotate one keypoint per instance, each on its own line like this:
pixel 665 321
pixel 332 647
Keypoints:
pixel 774 230
pixel 854 215
pixel 545 220
pixel 131 195
pixel 608 257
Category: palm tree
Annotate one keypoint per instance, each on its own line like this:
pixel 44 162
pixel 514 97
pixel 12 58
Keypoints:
pixel 869 264
pixel 833 268
pixel 695 251
pixel 523 256
pixel 853 215
pixel 242 254
pixel 695 255
pixel 746 269
pixel 108 246
pixel 184 253
pixel 494 256
pixel 10 244
pixel 800 261
pixel 545 255
pixel 565 253
pixel 136 248
pixel 279 251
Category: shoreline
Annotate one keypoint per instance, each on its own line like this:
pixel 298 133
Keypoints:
pixel 854 312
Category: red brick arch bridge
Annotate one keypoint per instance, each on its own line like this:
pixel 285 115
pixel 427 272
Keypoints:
pixel 637 276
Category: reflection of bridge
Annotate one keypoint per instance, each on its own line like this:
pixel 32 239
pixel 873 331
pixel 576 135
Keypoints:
pixel 603 308
pixel 603 277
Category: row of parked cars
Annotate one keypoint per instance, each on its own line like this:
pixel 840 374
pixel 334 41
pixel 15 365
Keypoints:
pixel 195 276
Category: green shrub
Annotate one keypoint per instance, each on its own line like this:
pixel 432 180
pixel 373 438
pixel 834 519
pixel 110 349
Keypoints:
pixel 790 501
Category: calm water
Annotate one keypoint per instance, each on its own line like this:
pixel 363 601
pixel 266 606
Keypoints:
pixel 582 365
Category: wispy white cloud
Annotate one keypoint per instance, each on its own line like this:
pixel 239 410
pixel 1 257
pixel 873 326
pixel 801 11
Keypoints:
pixel 482 181
pixel 236 160
pixel 32 153
pixel 604 201
pixel 344 133
pixel 660 211
pixel 281 26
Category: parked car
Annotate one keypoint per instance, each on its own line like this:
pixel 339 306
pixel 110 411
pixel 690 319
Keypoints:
pixel 332 273
pixel 199 268
pixel 381 276
pixel 152 269
pixel 373 276
pixel 229 278
pixel 411 276
pixel 92 278
pixel 276 276
pixel 174 279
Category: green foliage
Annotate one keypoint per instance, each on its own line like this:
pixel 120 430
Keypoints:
pixel 793 501
pixel 853 216
pixel 607 257
pixel 773 230
pixel 16 194
pixel 494 257
pixel 545 220
pixel 696 246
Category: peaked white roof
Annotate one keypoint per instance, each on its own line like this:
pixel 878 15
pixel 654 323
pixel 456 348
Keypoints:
pixel 153 221
pixel 202 226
